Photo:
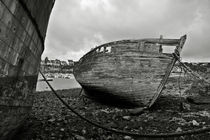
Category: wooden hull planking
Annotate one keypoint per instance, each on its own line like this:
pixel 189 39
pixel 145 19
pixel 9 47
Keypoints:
pixel 23 25
pixel 130 71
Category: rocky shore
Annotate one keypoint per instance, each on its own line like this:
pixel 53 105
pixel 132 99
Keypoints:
pixel 50 120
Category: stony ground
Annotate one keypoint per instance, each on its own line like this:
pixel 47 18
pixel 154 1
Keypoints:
pixel 50 120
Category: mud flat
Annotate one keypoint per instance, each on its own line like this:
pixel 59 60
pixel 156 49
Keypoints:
pixel 171 113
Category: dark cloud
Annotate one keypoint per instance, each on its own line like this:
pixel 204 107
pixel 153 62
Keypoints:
pixel 78 25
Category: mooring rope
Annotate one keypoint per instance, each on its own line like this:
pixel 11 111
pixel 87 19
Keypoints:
pixel 189 69
pixel 162 135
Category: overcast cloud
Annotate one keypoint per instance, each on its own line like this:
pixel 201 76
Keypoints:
pixel 76 26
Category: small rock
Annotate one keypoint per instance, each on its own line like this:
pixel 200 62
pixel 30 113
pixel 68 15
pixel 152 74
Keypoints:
pixel 180 121
pixel 132 120
pixel 186 106
pixel 105 111
pixel 195 123
pixel 51 120
pixel 51 114
pixel 127 138
pixel 126 117
pixel 117 110
pixel 62 129
pixel 182 138
pixel 150 117
pixel 204 114
pixel 78 137
pixel 178 129
pixel 59 119
pixel 159 110
pixel 111 124
pixel 109 138
pixel 204 127
pixel 203 122
pixel 65 121
pixel 145 121
pixel 84 131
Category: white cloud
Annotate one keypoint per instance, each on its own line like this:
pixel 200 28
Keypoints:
pixel 78 25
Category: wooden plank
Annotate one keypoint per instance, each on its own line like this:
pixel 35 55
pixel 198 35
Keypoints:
pixel 160 88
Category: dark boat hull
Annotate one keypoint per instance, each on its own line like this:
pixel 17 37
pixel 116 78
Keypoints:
pixel 130 71
pixel 23 25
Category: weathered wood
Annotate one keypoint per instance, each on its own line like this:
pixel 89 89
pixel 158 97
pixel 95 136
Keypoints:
pixel 163 82
pixel 23 26
pixel 134 71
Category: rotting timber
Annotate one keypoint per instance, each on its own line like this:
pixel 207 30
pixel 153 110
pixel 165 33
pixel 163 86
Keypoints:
pixel 128 72
pixel 23 25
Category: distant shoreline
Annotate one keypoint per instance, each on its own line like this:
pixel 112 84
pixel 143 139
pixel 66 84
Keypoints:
pixel 61 91
pixel 57 84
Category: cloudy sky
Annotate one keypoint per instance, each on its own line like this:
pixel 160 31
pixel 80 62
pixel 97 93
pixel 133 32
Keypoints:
pixel 76 26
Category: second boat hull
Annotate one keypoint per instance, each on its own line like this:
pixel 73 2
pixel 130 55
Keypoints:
pixel 23 25
pixel 129 71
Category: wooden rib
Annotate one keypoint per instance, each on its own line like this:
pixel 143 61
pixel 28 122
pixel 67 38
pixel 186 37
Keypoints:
pixel 168 72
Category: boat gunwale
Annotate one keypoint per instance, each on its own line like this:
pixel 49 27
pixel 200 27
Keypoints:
pixel 167 42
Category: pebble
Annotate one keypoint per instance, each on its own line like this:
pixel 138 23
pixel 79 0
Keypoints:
pixel 127 138
pixel 84 132
pixel 62 129
pixel 53 138
pixel 111 124
pixel 109 138
pixel 195 123
pixel 105 111
pixel 150 117
pixel 178 129
pixel 78 137
pixel 51 120
pixel 204 127
pixel 126 117
pixel 55 126
pixel 186 106
pixel 203 122
pixel 204 114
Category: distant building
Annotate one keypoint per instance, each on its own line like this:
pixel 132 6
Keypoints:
pixel 67 69
pixel 42 65
pixel 208 68
pixel 71 62
pixel 64 63
pixel 42 62
pixel 57 66
pixel 57 62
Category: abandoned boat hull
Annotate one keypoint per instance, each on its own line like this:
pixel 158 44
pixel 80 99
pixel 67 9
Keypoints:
pixel 130 71
pixel 23 25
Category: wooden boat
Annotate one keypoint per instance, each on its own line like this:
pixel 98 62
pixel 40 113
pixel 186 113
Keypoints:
pixel 23 25
pixel 130 72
